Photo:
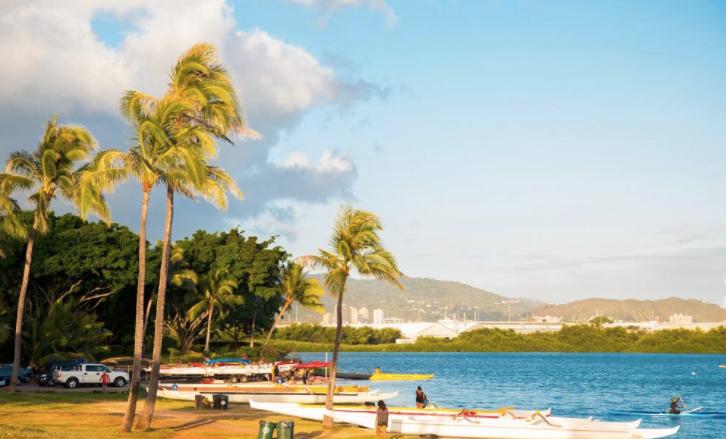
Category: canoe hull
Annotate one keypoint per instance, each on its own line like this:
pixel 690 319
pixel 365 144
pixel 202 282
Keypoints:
pixel 279 397
pixel 401 376
pixel 497 424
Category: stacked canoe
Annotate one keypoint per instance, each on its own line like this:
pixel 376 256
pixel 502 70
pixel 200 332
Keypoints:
pixel 504 423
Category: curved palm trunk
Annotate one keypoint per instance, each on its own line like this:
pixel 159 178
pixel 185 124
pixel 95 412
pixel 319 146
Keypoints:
pixel 209 326
pixel 145 421
pixel 139 324
pixel 287 304
pixel 21 308
pixel 252 331
pixel 327 420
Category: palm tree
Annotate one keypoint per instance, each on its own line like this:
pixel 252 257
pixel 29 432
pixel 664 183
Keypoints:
pixel 11 227
pixel 297 287
pixel 355 245
pixel 47 172
pixel 218 289
pixel 204 91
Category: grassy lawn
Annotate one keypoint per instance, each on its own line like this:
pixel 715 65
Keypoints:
pixel 66 415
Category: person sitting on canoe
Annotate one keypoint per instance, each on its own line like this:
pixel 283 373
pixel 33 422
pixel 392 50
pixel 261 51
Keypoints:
pixel 676 405
pixel 382 420
pixel 421 400
pixel 377 370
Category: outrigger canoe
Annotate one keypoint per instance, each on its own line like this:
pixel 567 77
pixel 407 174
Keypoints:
pixel 502 423
pixel 382 376
pixel 292 394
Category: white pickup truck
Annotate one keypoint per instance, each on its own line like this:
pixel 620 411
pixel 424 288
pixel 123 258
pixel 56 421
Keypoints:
pixel 89 374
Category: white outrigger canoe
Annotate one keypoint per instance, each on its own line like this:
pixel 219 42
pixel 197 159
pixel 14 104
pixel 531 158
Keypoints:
pixel 278 395
pixel 493 424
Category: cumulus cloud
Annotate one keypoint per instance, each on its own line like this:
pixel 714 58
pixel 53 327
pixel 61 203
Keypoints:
pixel 56 63
pixel 329 7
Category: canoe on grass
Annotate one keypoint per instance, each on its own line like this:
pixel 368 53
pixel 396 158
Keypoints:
pixel 286 396
pixel 502 423
pixel 382 376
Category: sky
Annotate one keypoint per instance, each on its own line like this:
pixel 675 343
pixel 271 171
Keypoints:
pixel 555 150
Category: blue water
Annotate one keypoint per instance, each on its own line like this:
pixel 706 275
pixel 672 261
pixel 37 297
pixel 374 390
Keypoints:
pixel 605 386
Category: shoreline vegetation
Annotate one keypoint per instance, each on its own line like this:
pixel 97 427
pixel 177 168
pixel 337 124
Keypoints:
pixel 571 338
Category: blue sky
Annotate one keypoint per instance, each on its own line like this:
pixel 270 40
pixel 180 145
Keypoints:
pixel 553 150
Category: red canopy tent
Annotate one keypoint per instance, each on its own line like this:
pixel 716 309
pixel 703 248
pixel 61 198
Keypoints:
pixel 314 365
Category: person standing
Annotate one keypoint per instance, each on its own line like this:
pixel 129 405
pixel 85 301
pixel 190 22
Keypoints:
pixel 382 420
pixel 421 400
pixel 104 380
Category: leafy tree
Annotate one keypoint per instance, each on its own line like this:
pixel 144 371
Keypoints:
pixel 254 264
pixel 297 287
pixel 49 171
pixel 355 245
pixel 65 329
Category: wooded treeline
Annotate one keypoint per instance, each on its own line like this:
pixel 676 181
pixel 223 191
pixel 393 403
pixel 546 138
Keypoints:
pixel 81 294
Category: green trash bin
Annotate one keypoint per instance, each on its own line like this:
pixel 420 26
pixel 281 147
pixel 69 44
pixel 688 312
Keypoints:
pixel 286 430
pixel 266 430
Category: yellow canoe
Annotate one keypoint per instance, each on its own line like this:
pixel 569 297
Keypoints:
pixel 382 376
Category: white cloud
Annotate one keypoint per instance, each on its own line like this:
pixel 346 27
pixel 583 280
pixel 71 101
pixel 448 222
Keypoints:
pixel 56 63
pixel 329 163
pixel 55 59
pixel 329 7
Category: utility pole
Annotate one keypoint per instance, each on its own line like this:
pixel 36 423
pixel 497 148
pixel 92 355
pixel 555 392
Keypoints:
pixel 509 303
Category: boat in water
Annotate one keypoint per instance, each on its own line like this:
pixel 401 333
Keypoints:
pixel 268 392
pixel 504 423
pixel 382 376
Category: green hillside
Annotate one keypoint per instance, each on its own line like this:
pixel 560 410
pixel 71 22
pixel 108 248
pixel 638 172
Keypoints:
pixel 426 299
pixel 634 310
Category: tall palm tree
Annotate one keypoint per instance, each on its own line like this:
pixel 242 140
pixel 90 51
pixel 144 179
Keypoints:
pixel 355 246
pixel 141 161
pixel 297 287
pixel 49 171
pixel 218 290
pixel 205 90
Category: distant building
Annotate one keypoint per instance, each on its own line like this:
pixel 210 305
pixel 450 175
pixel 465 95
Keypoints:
pixel 364 316
pixel 327 319
pixel 680 318
pixel 377 316
pixel 353 315
pixel 547 319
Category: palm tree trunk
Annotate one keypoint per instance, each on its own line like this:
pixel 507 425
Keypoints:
pixel 277 319
pixel 21 308
pixel 327 420
pixel 252 332
pixel 145 421
pixel 209 327
pixel 146 314
pixel 139 326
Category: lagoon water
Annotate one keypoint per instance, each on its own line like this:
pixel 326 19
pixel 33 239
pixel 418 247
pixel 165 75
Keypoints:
pixel 605 386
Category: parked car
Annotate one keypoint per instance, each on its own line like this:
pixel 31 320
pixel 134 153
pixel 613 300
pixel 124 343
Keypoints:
pixel 46 376
pixel 89 374
pixel 6 371
pixel 3 383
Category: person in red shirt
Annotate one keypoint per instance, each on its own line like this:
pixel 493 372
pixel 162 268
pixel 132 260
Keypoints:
pixel 104 380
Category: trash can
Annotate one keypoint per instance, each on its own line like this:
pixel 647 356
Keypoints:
pixel 286 430
pixel 266 430
pixel 199 401
pixel 220 401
